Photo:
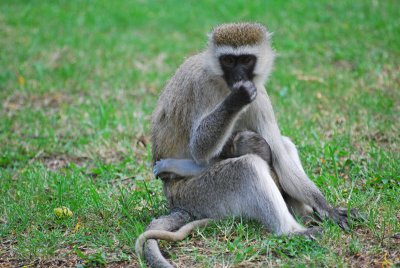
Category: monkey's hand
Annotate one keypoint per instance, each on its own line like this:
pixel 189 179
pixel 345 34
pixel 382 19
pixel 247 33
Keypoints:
pixel 243 93
pixel 163 170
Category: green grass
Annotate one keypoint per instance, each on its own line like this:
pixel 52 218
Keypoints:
pixel 78 83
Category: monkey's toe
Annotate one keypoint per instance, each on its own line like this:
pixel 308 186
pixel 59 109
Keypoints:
pixel 345 217
pixel 311 233
pixel 353 214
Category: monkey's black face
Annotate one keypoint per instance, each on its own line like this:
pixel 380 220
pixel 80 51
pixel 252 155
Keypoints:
pixel 237 68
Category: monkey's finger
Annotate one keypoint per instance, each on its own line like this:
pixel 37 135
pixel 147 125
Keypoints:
pixel 309 220
pixel 345 211
pixel 165 176
pixel 343 223
pixel 157 168
pixel 342 211
pixel 353 214
pixel 356 215
pixel 318 216
pixel 311 233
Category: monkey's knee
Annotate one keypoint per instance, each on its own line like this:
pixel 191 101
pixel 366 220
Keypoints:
pixel 268 204
pixel 289 145
pixel 292 151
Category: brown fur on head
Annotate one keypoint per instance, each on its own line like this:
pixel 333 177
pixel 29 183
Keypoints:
pixel 242 38
pixel 239 34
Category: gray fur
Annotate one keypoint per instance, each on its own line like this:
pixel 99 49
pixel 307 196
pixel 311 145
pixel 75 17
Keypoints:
pixel 195 97
pixel 195 117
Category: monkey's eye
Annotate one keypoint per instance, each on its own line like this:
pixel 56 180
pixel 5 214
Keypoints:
pixel 248 60
pixel 227 61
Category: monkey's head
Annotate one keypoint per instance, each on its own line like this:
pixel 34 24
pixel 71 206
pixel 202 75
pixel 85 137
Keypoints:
pixel 240 52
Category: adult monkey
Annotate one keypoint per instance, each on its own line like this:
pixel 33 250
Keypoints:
pixel 211 96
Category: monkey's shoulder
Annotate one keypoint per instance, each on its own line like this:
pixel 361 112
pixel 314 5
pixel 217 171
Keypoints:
pixel 192 77
pixel 174 111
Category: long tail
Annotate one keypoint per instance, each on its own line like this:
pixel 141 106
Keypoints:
pixel 162 228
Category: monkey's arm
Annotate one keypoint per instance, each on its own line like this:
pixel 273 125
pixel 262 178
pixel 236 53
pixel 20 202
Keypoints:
pixel 180 167
pixel 212 131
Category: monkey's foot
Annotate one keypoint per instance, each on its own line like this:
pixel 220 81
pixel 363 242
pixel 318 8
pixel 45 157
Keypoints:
pixel 311 220
pixel 344 217
pixel 341 216
pixel 312 233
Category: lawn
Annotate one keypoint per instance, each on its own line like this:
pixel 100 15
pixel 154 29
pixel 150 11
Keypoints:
pixel 78 83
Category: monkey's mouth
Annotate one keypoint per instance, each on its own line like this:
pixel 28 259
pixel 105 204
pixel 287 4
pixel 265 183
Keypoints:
pixel 235 83
pixel 236 78
pixel 232 82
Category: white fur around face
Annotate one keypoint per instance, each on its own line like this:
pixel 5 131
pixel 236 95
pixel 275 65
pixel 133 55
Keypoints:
pixel 263 52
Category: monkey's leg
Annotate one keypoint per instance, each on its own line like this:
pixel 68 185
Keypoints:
pixel 297 207
pixel 339 215
pixel 176 219
pixel 246 142
pixel 239 186
pixel 292 178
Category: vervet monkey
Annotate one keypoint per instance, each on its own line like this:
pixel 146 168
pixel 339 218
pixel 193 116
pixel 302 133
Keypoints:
pixel 211 96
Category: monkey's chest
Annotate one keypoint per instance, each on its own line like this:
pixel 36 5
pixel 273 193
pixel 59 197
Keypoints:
pixel 249 120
